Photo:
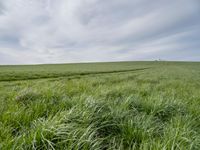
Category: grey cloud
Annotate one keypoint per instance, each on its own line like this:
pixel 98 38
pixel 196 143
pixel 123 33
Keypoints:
pixel 1 8
pixel 49 31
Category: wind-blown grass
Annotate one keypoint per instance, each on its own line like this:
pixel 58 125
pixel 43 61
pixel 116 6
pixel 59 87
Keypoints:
pixel 156 108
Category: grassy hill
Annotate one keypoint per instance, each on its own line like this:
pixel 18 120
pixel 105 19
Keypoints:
pixel 121 105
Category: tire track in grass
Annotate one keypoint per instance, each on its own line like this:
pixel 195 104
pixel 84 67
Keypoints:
pixel 75 74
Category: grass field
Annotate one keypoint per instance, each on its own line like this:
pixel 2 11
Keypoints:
pixel 123 105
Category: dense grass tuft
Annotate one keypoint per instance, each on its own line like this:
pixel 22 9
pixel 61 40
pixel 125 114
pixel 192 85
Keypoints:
pixel 27 96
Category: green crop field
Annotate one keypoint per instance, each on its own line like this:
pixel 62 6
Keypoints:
pixel 122 105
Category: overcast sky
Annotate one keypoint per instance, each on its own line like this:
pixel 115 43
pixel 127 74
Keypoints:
pixel 62 31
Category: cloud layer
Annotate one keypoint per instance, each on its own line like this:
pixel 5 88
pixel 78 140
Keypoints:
pixel 49 31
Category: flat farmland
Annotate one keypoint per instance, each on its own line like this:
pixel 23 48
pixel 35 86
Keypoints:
pixel 119 105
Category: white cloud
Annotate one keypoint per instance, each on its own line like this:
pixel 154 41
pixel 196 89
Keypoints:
pixel 48 31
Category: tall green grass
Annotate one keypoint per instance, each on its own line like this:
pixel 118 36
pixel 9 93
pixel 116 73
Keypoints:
pixel 155 108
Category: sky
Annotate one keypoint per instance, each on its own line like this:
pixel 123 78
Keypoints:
pixel 68 31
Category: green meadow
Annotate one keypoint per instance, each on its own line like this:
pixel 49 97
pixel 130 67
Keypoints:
pixel 100 106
